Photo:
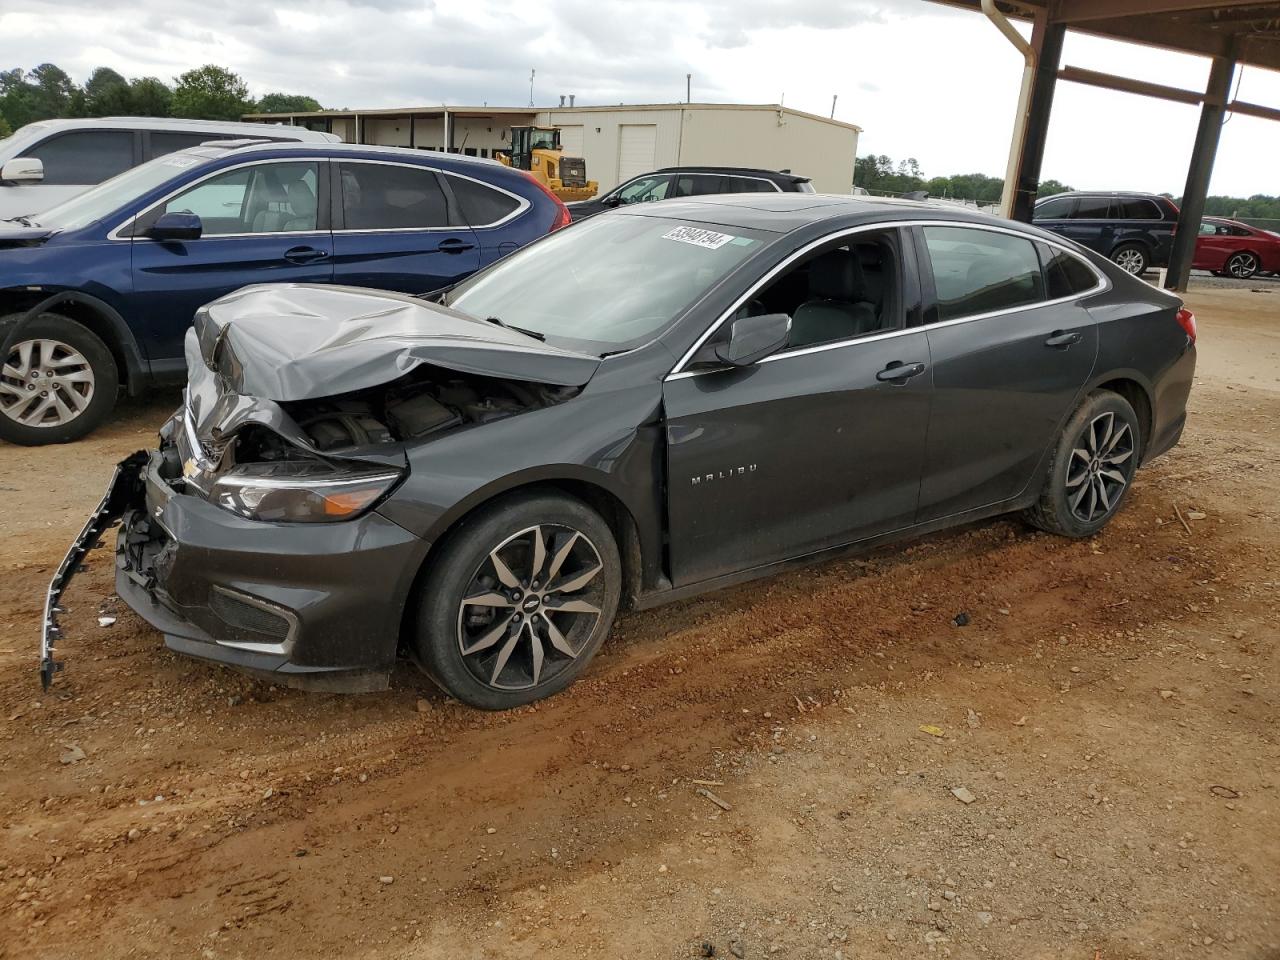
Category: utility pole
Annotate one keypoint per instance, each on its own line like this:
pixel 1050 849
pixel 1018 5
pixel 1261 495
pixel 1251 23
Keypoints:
pixel 532 74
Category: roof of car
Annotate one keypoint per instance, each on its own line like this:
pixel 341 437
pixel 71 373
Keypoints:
pixel 1104 193
pixel 174 123
pixel 754 171
pixel 783 212
pixel 250 145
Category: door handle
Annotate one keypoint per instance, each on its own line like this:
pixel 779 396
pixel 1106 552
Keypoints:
pixel 305 254
pixel 1064 339
pixel 454 245
pixel 899 372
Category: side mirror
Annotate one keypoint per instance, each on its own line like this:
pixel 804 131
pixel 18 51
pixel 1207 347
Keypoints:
pixel 176 226
pixel 22 170
pixel 753 338
pixel 613 201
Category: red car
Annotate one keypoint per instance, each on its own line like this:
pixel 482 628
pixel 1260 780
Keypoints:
pixel 1230 248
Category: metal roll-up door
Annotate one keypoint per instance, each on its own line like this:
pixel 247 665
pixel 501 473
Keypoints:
pixel 637 147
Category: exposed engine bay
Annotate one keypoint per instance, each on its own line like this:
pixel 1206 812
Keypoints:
pixel 427 401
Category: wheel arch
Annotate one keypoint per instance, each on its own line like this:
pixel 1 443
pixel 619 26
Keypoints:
pixel 1145 243
pixel 1249 250
pixel 94 314
pixel 615 512
pixel 1132 386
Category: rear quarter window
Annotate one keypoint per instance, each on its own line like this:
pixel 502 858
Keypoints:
pixel 481 205
pixel 1066 275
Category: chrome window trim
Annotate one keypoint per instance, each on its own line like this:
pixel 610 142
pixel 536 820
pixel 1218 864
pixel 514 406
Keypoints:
pixel 522 204
pixel 679 373
pixel 129 221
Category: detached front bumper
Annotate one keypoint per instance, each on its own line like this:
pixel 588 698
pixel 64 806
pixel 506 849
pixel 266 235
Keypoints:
pixel 317 606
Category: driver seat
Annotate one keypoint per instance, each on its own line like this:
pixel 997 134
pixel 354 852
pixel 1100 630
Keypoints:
pixel 838 307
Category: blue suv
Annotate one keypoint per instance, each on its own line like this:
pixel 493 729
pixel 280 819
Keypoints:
pixel 110 280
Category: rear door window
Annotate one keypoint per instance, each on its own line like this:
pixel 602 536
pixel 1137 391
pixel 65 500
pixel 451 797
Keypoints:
pixel 85 157
pixel 481 205
pixel 383 196
pixel 747 185
pixel 981 271
pixel 1092 208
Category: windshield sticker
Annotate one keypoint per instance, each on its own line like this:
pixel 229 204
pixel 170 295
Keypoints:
pixel 172 161
pixel 699 238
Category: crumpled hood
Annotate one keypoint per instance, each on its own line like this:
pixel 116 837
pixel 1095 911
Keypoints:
pixel 13 234
pixel 288 342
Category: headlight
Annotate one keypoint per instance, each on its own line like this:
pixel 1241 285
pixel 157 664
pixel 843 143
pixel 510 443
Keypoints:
pixel 300 493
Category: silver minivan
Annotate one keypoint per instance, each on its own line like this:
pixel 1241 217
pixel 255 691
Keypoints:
pixel 45 163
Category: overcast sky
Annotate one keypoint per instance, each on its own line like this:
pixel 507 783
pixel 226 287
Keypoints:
pixel 922 80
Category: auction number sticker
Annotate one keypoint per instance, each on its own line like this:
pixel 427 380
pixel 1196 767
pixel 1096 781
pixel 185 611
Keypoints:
pixel 698 237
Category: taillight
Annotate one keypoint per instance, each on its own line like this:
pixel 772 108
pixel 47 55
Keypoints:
pixel 1187 321
pixel 563 218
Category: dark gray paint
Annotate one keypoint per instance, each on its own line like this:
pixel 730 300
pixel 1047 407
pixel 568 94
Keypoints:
pixel 840 457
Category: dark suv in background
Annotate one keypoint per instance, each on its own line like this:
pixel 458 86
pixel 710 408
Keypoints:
pixel 671 182
pixel 1133 229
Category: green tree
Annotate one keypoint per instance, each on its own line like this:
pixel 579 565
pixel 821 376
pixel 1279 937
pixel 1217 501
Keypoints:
pixel 211 93
pixel 52 91
pixel 149 97
pixel 1049 187
pixel 5 129
pixel 106 94
pixel 17 98
pixel 287 103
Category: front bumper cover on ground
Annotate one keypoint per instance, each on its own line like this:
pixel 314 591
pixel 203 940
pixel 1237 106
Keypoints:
pixel 123 492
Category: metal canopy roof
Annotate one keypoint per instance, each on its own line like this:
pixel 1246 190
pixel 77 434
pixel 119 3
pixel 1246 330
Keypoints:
pixel 1245 30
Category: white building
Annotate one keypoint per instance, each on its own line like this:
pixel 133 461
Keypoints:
pixel 621 141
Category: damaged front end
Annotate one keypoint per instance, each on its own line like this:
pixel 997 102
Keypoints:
pixel 252 534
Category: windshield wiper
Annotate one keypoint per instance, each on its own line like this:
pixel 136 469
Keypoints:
pixel 528 333
pixel 25 221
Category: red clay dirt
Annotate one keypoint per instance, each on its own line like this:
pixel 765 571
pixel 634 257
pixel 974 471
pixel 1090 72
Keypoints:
pixel 1111 710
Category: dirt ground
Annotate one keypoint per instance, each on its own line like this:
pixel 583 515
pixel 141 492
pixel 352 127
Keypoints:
pixel 1111 709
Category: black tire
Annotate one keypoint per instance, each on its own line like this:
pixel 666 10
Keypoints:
pixel 1132 258
pixel 1242 265
pixel 101 390
pixel 1058 510
pixel 465 567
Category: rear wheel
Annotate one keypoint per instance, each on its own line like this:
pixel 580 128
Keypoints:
pixel 1131 258
pixel 1091 469
pixel 58 383
pixel 518 600
pixel 1242 265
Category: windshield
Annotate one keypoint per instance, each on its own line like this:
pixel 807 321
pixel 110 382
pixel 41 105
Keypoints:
pixel 110 195
pixel 606 284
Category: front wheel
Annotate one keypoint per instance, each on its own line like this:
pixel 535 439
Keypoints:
pixel 1242 265
pixel 1091 469
pixel 1130 258
pixel 58 383
pixel 518 600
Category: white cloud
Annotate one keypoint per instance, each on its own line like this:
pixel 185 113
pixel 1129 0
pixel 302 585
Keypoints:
pixel 922 80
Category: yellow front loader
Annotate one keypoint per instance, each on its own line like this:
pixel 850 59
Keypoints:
pixel 537 150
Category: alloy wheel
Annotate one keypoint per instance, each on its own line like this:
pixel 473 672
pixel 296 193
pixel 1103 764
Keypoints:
pixel 45 383
pixel 1131 261
pixel 1242 266
pixel 530 607
pixel 1099 469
